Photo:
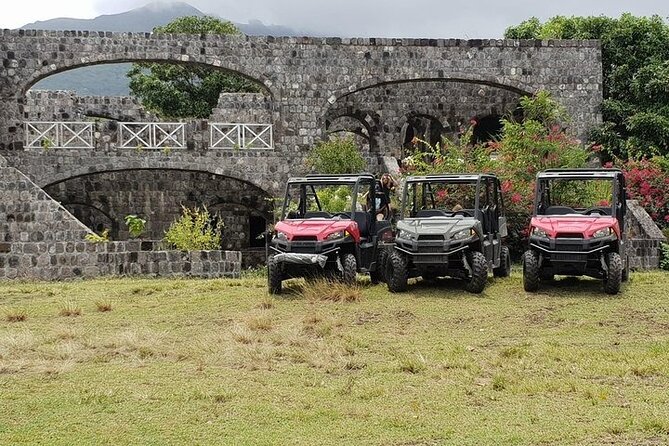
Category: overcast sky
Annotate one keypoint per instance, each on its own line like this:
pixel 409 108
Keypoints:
pixel 382 18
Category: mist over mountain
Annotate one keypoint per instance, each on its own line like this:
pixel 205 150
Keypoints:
pixel 110 80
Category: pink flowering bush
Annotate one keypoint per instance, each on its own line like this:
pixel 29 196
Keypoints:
pixel 648 182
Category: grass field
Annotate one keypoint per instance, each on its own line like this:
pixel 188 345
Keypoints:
pixel 219 362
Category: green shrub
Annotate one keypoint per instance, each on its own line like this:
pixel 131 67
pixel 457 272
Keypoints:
pixel 103 237
pixel 195 230
pixel 336 156
pixel 136 225
pixel 664 256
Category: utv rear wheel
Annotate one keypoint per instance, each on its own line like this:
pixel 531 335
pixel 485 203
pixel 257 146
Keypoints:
pixel 504 269
pixel 397 274
pixel 274 277
pixel 350 266
pixel 614 275
pixel 378 274
pixel 479 274
pixel 531 271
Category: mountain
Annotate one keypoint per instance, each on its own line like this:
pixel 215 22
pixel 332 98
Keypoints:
pixel 110 80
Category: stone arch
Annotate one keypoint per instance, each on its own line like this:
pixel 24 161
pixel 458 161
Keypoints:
pixel 216 63
pixel 268 185
pixel 513 85
pixel 367 130
pixel 157 195
pixel 428 108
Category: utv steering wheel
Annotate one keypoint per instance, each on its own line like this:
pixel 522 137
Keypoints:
pixel 463 213
pixel 341 214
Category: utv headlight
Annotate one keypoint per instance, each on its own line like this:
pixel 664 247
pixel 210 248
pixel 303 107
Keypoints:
pixel 464 234
pixel 602 233
pixel 335 235
pixel 539 232
pixel 406 235
pixel 281 235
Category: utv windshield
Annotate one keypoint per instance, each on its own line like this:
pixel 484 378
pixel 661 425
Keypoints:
pixel 322 200
pixel 440 198
pixel 575 196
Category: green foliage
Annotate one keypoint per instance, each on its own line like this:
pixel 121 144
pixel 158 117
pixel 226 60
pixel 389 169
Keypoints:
pixel 195 230
pixel 335 199
pixel 635 58
pixel 186 91
pixel 664 256
pixel 103 237
pixel 136 225
pixel 336 156
pixel 523 149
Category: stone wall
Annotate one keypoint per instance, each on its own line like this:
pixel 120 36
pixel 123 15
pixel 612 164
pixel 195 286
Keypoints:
pixel 645 238
pixel 68 106
pixel 303 77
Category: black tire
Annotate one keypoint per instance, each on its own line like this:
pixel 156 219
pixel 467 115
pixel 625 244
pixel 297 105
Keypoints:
pixel 479 276
pixel 531 271
pixel 397 272
pixel 378 275
pixel 274 276
pixel 504 269
pixel 614 276
pixel 350 266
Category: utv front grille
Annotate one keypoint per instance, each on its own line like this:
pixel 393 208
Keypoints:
pixel 431 237
pixel 305 238
pixel 431 249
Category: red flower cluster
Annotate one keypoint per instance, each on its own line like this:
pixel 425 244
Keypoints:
pixel 649 184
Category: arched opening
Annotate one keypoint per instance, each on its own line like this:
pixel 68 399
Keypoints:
pixel 101 89
pixel 102 200
pixel 488 128
pixel 429 109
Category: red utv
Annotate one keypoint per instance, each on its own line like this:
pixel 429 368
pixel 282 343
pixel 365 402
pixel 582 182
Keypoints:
pixel 578 227
pixel 328 228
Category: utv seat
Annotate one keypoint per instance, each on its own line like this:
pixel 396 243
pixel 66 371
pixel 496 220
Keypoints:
pixel 364 221
pixel 559 210
pixel 426 213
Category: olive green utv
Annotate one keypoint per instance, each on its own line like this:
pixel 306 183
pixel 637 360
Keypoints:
pixel 451 225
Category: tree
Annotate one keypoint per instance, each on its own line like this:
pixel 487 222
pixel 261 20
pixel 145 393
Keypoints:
pixel 336 156
pixel 186 91
pixel 635 59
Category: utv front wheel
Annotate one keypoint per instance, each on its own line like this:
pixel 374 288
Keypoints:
pixel 479 273
pixel 531 271
pixel 614 275
pixel 350 266
pixel 274 277
pixel 397 274
pixel 504 269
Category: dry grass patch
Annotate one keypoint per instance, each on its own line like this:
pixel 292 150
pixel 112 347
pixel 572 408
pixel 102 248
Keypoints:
pixel 103 306
pixel 16 315
pixel 328 290
pixel 70 309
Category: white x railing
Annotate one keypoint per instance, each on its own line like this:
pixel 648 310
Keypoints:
pixel 59 135
pixel 152 135
pixel 240 136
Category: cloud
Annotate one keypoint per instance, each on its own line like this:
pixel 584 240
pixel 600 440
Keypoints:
pixel 415 18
